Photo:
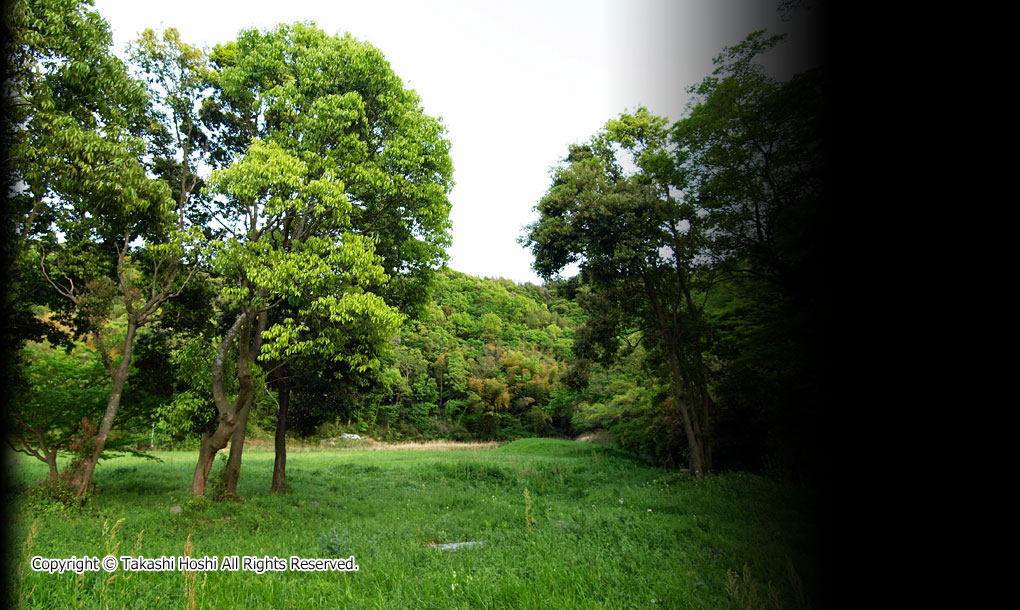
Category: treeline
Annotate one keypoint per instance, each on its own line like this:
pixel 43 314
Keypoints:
pixel 488 359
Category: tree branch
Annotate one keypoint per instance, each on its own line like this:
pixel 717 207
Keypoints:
pixel 69 294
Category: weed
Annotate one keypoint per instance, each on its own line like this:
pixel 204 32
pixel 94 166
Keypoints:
pixel 749 595
pixel 217 488
pixel 112 546
pixel 529 517
pixel 27 548
pixel 189 577
pixel 197 503
pixel 332 543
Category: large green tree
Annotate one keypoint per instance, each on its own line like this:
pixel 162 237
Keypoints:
pixel 613 208
pixel 728 198
pixel 98 226
pixel 752 153
pixel 334 209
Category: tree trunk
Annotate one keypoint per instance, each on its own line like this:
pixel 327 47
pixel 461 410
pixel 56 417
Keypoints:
pixel 213 442
pixel 280 465
pixel 232 474
pixel 51 461
pixel 706 422
pixel 247 353
pixel 82 475
pixel 701 378
pixel 694 444
pixel 691 428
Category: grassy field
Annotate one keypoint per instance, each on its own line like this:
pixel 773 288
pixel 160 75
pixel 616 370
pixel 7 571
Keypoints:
pixel 561 524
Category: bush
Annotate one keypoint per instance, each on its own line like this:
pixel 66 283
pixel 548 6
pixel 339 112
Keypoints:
pixel 448 430
pixel 55 494
pixel 197 503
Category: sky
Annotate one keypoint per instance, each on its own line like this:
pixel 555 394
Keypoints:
pixel 514 82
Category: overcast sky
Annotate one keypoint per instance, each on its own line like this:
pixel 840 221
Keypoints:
pixel 515 82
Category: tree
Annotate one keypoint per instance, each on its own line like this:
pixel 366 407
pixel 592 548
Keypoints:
pixel 99 227
pixel 640 246
pixel 728 197
pixel 752 153
pixel 334 209
pixel 491 326
pixel 42 97
pixel 176 74
pixel 47 414
pixel 293 246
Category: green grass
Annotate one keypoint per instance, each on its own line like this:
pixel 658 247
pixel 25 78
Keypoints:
pixel 595 530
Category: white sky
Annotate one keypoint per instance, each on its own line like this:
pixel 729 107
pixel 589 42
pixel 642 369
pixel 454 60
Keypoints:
pixel 515 82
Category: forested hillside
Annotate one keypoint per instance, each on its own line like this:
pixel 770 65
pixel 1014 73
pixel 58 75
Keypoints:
pixel 485 360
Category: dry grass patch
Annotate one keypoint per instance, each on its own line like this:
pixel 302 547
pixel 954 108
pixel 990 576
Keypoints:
pixel 367 444
pixel 597 436
pixel 373 445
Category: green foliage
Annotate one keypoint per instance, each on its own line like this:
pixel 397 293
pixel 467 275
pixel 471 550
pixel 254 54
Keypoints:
pixel 332 185
pixel 91 209
pixel 436 384
pixel 660 219
pixel 78 156
pixel 55 390
pixel 82 116
pixel 491 326
pixel 82 391
pixel 328 209
pixel 197 504
pixel 190 411
pixel 613 208
pixel 53 496
pixel 752 152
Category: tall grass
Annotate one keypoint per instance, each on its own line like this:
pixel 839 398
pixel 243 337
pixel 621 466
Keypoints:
pixel 599 530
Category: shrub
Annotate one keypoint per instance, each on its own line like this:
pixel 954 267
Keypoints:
pixel 55 495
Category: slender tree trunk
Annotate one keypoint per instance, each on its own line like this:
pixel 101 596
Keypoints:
pixel 233 471
pixel 280 465
pixel 694 444
pixel 248 352
pixel 82 476
pixel 700 383
pixel 691 428
pixel 706 422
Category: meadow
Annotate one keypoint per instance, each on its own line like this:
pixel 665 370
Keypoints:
pixel 558 524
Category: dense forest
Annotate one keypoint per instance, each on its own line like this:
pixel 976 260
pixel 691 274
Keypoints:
pixel 203 247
